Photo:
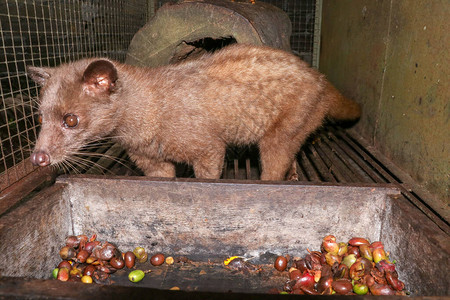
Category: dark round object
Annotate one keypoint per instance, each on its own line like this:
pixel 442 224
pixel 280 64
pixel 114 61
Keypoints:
pixel 90 246
pixel 117 263
pixel 105 251
pixel 67 252
pixel 65 264
pixel 301 265
pixel 157 259
pixel 354 250
pixel 295 274
pixel 82 256
pixel 281 263
pixel 89 270
pixel 130 259
pixel 72 241
pixel 342 286
pixel 107 268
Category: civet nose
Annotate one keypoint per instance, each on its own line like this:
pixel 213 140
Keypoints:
pixel 40 158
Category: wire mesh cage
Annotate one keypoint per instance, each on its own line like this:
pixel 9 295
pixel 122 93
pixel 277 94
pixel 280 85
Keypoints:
pixel 305 26
pixel 305 18
pixel 47 33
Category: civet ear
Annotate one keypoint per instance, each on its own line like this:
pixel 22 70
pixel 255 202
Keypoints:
pixel 100 77
pixel 39 75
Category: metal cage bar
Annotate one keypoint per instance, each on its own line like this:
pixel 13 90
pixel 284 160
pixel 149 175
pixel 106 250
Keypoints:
pixel 47 33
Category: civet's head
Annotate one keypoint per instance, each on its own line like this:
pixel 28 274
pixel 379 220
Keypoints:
pixel 75 107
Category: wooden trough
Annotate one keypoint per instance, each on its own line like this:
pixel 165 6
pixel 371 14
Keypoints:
pixel 208 221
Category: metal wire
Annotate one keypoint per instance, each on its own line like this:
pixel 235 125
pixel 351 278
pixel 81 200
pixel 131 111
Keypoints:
pixel 48 33
pixel 305 21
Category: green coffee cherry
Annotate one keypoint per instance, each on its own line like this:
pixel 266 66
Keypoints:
pixel 360 289
pixel 349 260
pixel 55 273
pixel 136 275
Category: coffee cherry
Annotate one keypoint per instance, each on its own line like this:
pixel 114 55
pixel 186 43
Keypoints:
pixel 136 275
pixel 130 259
pixel 281 263
pixel 157 259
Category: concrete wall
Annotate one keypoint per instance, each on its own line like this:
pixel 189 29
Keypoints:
pixel 393 57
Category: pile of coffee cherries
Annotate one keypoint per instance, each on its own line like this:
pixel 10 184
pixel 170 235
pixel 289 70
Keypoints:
pixel 357 267
pixel 89 260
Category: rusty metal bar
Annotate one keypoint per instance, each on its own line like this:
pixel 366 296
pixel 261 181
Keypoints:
pixel 324 170
pixel 416 201
pixel 359 159
pixel 310 171
pixel 367 157
pixel 247 168
pixel 346 166
pixel 330 163
pixel 351 165
pixel 301 173
pixel 236 168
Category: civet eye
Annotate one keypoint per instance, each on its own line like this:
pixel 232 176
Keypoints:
pixel 70 120
pixel 40 119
